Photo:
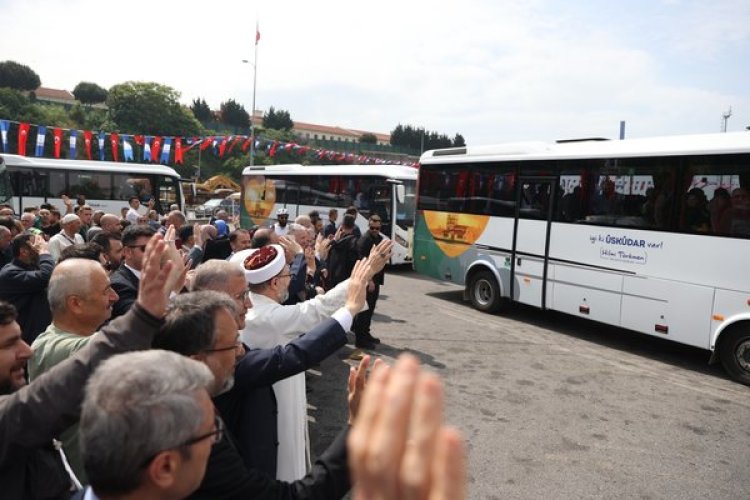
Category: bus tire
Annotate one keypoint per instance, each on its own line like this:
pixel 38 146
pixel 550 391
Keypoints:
pixel 734 353
pixel 484 292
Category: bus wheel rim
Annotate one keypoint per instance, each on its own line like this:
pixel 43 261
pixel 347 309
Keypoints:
pixel 743 355
pixel 484 292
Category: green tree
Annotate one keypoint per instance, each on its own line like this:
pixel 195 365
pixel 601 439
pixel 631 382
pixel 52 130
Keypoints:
pixel 11 103
pixel 278 120
pixel 201 110
pixel 368 138
pixel 150 108
pixel 90 93
pixel 459 141
pixel 234 114
pixel 18 76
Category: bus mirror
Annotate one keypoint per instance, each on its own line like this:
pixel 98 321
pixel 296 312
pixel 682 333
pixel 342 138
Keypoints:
pixel 400 193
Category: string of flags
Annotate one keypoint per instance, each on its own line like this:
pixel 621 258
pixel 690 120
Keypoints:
pixel 158 149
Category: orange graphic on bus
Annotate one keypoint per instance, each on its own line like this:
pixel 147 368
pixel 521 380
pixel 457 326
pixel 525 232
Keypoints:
pixel 259 198
pixel 455 233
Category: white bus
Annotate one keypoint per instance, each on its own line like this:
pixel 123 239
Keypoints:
pixel 652 235
pixel 106 185
pixel 388 190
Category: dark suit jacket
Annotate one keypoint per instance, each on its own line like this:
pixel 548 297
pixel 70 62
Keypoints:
pixel 364 246
pixel 249 408
pixel 125 283
pixel 26 288
pixel 217 249
pixel 341 259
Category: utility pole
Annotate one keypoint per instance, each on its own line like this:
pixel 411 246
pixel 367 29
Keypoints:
pixel 725 118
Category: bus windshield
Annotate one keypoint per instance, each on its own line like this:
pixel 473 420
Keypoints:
pixel 407 207
pixel 6 192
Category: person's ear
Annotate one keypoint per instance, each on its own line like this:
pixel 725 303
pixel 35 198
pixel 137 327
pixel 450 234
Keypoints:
pixel 162 470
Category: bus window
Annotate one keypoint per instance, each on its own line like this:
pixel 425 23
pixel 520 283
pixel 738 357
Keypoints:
pixel 58 185
pixel 127 186
pixel 167 192
pixel 94 186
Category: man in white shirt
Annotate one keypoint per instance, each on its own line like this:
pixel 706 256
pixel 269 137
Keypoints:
pixel 133 213
pixel 71 225
pixel 280 228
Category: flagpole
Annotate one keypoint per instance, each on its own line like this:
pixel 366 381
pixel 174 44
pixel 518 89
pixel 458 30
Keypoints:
pixel 252 110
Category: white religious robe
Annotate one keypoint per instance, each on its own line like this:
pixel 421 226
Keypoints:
pixel 268 324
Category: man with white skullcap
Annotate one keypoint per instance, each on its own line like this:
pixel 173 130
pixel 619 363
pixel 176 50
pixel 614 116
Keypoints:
pixel 282 216
pixel 71 225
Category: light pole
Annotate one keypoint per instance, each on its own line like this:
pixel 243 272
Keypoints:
pixel 252 109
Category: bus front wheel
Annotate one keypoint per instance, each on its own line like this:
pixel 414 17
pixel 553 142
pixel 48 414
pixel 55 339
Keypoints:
pixel 734 353
pixel 484 292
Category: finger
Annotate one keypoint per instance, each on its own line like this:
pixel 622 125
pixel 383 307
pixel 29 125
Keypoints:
pixel 169 236
pixel 424 426
pixel 390 430
pixel 362 372
pixel 449 467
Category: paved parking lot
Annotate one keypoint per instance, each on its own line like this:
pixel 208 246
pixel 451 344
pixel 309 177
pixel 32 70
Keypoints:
pixel 558 407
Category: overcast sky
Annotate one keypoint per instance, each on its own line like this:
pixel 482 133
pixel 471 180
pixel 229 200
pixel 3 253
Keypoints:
pixel 493 70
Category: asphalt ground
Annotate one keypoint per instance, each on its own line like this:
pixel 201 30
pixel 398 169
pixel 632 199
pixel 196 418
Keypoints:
pixel 553 406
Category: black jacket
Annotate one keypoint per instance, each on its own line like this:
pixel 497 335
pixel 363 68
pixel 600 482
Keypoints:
pixel 364 246
pixel 341 259
pixel 26 288
pixel 125 283
pixel 249 408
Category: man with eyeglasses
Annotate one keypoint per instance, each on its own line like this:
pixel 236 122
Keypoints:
pixel 126 279
pixel 361 328
pixel 203 325
pixel 153 442
pixel 81 298
pixel 32 415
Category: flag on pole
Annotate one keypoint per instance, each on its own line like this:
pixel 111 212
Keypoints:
pixel 146 148
pixel 41 135
pixel 206 143
pixel 127 148
pixel 114 142
pixel 58 137
pixel 73 135
pixel 102 135
pixel 165 151
pixel 4 125
pixel 23 134
pixel 87 143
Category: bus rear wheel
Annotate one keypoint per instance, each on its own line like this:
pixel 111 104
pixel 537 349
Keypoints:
pixel 484 292
pixel 734 353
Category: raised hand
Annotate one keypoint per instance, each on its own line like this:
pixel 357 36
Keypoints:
pixel 355 291
pixel 380 254
pixel 291 248
pixel 356 385
pixel 154 287
pixel 40 245
pixel 398 446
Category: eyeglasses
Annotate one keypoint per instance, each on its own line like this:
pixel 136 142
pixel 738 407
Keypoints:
pixel 217 434
pixel 141 247
pixel 232 347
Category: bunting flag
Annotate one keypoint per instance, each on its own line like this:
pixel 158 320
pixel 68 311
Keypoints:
pixel 206 143
pixel 4 125
pixel 146 148
pixel 41 136
pixel 246 144
pixel 73 135
pixel 87 143
pixel 114 142
pixel 272 151
pixel 155 148
pixel 101 145
pixel 127 149
pixel 139 139
pixel 57 141
pixel 166 150
pixel 223 146
pixel 178 150
pixel 233 144
pixel 23 134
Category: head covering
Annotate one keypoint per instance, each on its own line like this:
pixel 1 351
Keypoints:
pixel 260 264
pixel 221 227
pixel 69 218
pixel 282 211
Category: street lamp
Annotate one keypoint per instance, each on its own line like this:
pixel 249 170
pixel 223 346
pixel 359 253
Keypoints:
pixel 252 109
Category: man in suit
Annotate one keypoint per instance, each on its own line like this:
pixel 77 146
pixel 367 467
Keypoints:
pixel 361 328
pixel 125 280
pixel 203 325
pixel 24 281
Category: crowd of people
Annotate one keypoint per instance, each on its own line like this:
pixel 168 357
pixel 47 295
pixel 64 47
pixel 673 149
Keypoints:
pixel 144 357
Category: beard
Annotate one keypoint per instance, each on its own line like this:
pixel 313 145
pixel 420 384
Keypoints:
pixel 284 297
pixel 226 386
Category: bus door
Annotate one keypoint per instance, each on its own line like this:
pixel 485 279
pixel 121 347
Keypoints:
pixel 535 196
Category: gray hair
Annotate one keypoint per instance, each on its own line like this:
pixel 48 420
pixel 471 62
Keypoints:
pixel 70 277
pixel 137 405
pixel 213 274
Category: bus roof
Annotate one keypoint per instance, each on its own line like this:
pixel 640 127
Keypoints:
pixel 389 171
pixel 726 143
pixel 99 166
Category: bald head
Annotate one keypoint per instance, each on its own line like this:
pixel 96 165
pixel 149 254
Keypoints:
pixel 80 296
pixel 27 219
pixel 214 275
pixel 110 223
pixel 264 236
pixel 176 219
pixel 70 277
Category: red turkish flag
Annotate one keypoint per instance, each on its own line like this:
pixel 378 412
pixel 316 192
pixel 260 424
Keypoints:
pixel 87 143
pixel 246 144
pixel 272 151
pixel 139 139
pixel 223 147
pixel 155 147
pixel 178 150
pixel 23 134
pixel 114 141
pixel 233 144
pixel 206 143
pixel 57 141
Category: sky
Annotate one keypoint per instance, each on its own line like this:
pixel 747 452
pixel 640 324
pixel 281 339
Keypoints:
pixel 494 71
